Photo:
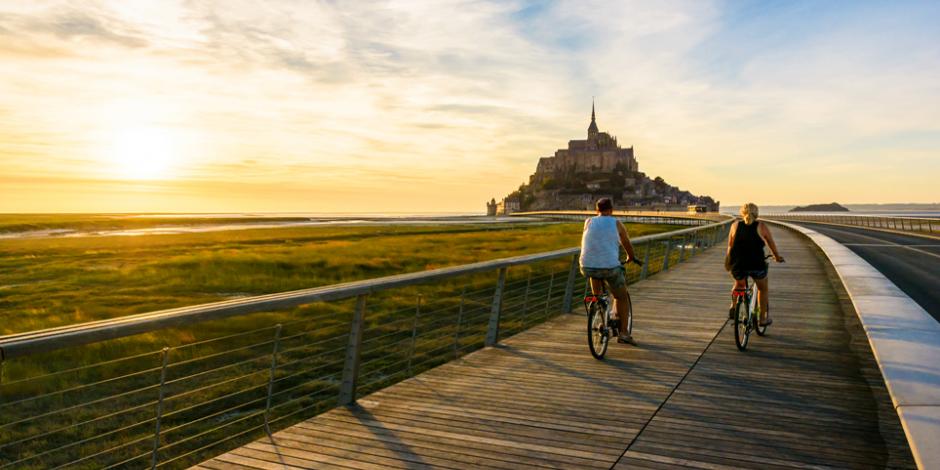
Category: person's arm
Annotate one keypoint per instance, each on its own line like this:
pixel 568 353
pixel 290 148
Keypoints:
pixel 769 239
pixel 625 241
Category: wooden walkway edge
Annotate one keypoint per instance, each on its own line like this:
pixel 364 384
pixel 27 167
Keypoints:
pixel 807 395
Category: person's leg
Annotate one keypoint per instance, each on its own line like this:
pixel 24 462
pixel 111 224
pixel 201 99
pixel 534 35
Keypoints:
pixel 763 293
pixel 597 286
pixel 618 288
pixel 622 305
pixel 738 285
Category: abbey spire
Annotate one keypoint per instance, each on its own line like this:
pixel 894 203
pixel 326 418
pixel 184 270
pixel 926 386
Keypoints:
pixel 592 129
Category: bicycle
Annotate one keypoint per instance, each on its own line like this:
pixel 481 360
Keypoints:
pixel 601 322
pixel 747 313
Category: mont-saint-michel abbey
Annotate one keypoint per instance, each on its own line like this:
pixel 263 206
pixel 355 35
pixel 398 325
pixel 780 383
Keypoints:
pixel 592 168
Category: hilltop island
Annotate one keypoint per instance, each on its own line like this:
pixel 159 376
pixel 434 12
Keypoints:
pixel 831 207
pixel 575 177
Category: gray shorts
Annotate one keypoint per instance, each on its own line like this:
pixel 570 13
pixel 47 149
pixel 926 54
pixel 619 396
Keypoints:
pixel 614 277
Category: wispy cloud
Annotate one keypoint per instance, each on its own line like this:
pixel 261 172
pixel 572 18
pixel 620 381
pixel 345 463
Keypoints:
pixel 454 101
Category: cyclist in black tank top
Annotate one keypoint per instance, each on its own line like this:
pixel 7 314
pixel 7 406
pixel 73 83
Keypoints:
pixel 746 256
pixel 747 252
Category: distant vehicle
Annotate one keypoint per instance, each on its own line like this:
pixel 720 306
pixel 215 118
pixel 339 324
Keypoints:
pixel 697 208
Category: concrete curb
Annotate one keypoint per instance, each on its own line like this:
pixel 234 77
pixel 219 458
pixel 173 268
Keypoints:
pixel 904 338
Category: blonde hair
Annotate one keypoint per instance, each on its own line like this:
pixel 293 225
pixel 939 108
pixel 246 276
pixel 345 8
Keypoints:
pixel 749 212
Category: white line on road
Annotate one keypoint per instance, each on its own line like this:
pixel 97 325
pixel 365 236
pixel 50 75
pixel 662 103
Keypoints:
pixel 884 242
pixel 888 245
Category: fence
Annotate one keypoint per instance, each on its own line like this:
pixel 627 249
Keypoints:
pixel 904 224
pixel 172 388
pixel 627 218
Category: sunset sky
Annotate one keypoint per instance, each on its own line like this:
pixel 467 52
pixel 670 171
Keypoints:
pixel 409 106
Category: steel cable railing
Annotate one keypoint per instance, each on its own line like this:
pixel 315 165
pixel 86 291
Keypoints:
pixel 167 407
pixel 914 225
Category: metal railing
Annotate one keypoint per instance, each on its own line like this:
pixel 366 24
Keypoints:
pixel 172 388
pixel 689 220
pixel 901 224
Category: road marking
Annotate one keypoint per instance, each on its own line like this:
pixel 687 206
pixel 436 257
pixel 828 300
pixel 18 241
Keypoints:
pixel 888 243
pixel 885 244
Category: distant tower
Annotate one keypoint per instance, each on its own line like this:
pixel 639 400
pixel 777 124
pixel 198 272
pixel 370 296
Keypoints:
pixel 592 129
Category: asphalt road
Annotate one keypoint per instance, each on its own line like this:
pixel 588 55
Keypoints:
pixel 912 263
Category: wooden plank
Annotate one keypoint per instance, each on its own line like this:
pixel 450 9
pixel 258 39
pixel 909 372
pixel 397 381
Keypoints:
pixel 485 456
pixel 339 444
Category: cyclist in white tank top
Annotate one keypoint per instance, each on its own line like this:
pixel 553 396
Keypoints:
pixel 600 259
pixel 600 243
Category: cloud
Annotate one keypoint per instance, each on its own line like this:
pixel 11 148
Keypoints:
pixel 73 25
pixel 461 98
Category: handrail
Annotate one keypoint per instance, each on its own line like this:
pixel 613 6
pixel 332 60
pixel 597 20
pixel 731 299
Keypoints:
pixel 905 224
pixel 678 217
pixel 848 214
pixel 24 344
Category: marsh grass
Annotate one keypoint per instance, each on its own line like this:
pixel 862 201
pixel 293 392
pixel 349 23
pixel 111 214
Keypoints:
pixel 94 405
pixel 13 223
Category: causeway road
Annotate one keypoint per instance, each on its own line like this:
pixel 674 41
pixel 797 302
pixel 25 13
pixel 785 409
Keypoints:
pixel 911 262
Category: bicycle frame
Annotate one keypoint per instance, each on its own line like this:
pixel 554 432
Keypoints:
pixel 746 298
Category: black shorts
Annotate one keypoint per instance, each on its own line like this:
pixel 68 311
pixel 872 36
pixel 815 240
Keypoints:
pixel 756 274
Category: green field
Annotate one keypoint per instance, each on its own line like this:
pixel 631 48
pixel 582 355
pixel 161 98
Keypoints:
pixel 51 282
pixel 94 405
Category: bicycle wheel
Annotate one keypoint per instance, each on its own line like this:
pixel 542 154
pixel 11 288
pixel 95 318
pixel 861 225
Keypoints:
pixel 630 317
pixel 755 309
pixel 597 330
pixel 742 324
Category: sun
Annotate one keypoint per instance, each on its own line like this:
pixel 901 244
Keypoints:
pixel 143 153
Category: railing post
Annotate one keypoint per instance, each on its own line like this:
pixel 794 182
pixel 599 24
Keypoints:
pixel 694 243
pixel 666 255
pixel 569 285
pixel 414 333
pixel 492 331
pixel 159 414
pixel 548 299
pixel 646 260
pixel 267 406
pixel 463 293
pixel 525 297
pixel 347 390
pixel 682 244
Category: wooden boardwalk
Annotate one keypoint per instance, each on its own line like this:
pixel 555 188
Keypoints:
pixel 807 395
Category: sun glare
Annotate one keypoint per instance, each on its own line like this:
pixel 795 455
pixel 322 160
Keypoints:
pixel 143 153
